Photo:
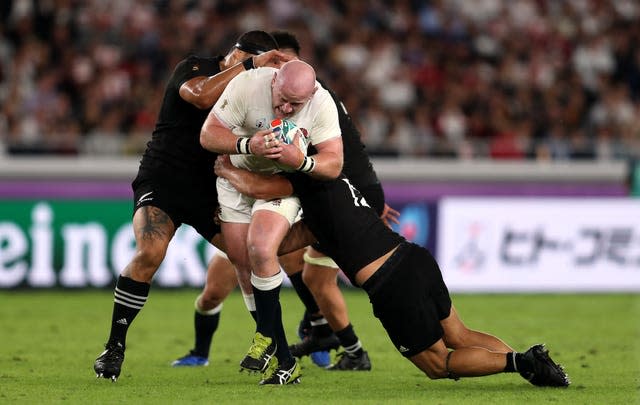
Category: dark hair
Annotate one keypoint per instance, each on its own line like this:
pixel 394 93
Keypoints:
pixel 256 42
pixel 286 40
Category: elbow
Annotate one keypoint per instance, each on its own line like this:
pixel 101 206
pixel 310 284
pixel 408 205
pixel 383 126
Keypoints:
pixel 201 105
pixel 336 172
pixel 204 140
pixel 331 175
pixel 336 167
pixel 332 172
pixel 202 102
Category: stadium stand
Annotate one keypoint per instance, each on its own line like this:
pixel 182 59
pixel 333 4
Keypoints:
pixel 521 79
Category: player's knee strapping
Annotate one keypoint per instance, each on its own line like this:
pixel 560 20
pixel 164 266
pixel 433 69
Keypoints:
pixel 320 261
pixel 211 311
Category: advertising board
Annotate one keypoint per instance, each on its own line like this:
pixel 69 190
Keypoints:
pixel 539 244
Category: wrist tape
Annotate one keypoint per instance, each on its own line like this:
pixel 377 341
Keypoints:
pixel 308 164
pixel 242 146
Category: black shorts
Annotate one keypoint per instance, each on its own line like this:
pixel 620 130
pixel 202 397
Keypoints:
pixel 185 200
pixel 374 194
pixel 410 299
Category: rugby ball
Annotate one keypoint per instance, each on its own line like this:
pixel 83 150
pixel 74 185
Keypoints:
pixel 286 131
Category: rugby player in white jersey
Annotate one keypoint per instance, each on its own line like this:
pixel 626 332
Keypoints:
pixel 253 228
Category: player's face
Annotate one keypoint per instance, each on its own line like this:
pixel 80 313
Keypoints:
pixel 286 103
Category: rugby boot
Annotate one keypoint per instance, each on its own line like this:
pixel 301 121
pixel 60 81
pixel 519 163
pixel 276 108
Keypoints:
pixel 312 343
pixel 261 351
pixel 544 371
pixel 109 363
pixel 280 375
pixel 191 360
pixel 350 363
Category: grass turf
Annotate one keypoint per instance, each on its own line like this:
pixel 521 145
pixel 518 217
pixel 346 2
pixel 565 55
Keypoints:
pixel 49 340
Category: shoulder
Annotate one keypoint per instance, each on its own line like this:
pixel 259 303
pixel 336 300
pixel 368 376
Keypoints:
pixel 259 74
pixel 255 76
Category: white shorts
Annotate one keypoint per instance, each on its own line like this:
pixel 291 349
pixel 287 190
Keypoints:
pixel 238 208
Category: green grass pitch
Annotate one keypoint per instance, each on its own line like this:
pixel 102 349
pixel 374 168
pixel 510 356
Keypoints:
pixel 49 340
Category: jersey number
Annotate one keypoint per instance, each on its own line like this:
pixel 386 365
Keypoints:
pixel 358 199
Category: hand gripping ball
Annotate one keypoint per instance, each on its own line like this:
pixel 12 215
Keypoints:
pixel 286 131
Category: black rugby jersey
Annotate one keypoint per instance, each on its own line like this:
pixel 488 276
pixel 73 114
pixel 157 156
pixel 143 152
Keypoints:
pixel 357 166
pixel 350 232
pixel 175 148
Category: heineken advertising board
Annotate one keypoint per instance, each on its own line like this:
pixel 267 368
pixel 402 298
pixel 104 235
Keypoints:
pixel 75 243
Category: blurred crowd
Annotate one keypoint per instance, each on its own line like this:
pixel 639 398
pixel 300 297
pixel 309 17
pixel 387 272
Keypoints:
pixel 501 79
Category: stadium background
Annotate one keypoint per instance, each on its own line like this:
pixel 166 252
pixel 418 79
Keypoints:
pixel 532 106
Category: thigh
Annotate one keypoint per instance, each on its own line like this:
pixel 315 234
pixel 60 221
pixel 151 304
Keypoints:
pixel 267 228
pixel 152 227
pixel 235 241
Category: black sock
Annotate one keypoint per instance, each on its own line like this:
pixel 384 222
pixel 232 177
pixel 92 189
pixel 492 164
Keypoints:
pixel 522 365
pixel 304 294
pixel 129 298
pixel 517 363
pixel 304 327
pixel 267 308
pixel 321 329
pixel 205 326
pixel 254 315
pixel 511 365
pixel 282 350
pixel 349 340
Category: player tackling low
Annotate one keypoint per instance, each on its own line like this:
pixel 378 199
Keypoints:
pixel 403 281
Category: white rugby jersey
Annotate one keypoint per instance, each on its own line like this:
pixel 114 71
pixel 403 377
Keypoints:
pixel 245 108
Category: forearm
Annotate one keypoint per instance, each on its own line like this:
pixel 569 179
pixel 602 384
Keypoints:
pixel 327 166
pixel 203 92
pixel 218 139
pixel 259 186
pixel 255 185
pixel 213 87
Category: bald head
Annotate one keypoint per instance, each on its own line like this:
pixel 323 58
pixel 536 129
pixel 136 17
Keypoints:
pixel 293 85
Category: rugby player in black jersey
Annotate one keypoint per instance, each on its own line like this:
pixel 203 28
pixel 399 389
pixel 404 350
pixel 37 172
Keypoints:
pixel 403 281
pixel 320 271
pixel 175 182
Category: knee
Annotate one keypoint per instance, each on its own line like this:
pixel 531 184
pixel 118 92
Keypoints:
pixel 432 362
pixel 436 370
pixel 260 253
pixel 213 295
pixel 210 299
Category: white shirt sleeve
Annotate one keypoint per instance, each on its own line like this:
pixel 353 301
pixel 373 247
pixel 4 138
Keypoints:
pixel 326 124
pixel 230 108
